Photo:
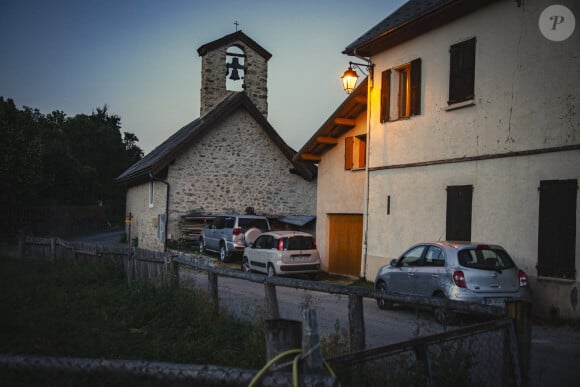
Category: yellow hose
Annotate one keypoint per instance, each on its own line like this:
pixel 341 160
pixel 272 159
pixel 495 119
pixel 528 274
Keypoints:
pixel 297 358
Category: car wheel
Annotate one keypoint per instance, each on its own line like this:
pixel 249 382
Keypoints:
pixel 271 270
pixel 201 245
pixel 224 256
pixel 381 302
pixel 443 315
pixel 245 265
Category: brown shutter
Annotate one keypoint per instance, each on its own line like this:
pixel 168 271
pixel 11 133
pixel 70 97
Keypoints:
pixel 385 95
pixel 416 87
pixel 348 145
pixel 468 70
pixel 454 81
pixel 362 152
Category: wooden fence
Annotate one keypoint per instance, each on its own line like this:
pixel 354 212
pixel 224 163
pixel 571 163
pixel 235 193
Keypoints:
pixel 144 264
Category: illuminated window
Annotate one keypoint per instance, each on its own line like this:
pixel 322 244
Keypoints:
pixel 401 91
pixel 355 152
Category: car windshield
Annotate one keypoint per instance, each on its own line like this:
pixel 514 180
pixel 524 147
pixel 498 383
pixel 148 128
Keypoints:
pixel 299 243
pixel 246 223
pixel 485 258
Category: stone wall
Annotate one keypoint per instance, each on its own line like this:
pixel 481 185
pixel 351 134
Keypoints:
pixel 235 166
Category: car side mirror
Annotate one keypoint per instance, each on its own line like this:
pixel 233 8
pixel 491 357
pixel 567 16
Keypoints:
pixel 393 263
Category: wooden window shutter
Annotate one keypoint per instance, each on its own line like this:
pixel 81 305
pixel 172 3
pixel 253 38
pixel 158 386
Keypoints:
pixel 461 71
pixel 416 86
pixel 348 152
pixel 385 95
pixel 468 58
pixel 362 152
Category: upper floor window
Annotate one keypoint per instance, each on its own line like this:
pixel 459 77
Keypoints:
pixel 355 152
pixel 401 91
pixel 461 71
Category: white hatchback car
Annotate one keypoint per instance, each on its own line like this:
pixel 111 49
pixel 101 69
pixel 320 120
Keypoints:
pixel 282 253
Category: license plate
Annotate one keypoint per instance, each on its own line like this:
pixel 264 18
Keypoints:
pixel 495 301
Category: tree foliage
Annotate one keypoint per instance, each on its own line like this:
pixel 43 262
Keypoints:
pixel 49 160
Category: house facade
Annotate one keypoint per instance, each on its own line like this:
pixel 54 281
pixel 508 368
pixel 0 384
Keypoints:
pixel 229 160
pixel 473 134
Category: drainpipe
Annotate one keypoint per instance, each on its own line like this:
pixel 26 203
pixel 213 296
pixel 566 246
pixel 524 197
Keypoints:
pixel 363 269
pixel 153 178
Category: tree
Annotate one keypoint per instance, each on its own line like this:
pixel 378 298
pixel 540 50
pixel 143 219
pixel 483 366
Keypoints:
pixel 55 160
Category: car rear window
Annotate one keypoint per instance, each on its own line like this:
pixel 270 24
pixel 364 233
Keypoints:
pixel 247 223
pixel 299 243
pixel 485 258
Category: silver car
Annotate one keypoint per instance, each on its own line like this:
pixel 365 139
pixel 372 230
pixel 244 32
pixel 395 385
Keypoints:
pixel 459 271
pixel 230 234
pixel 282 253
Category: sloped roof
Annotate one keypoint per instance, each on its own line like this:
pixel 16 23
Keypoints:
pixel 412 19
pixel 231 38
pixel 334 127
pixel 158 159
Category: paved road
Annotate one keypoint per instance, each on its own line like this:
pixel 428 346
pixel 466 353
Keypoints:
pixel 555 351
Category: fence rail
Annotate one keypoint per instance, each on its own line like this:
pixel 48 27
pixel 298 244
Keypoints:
pixel 143 264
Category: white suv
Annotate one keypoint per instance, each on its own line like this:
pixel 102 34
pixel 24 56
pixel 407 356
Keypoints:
pixel 282 253
pixel 230 234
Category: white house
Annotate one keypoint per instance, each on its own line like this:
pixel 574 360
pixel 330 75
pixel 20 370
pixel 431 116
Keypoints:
pixel 471 129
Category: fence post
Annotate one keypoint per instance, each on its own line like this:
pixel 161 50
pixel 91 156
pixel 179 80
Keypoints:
pixel 129 266
pixel 272 301
pixel 281 336
pixel 53 249
pixel 311 352
pixel 520 312
pixel 174 271
pixel 212 288
pixel 356 323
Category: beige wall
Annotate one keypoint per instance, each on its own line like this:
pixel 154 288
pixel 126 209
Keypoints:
pixel 339 191
pixel 527 93
pixel 144 217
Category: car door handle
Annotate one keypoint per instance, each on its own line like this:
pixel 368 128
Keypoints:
pixel 411 274
pixel 434 275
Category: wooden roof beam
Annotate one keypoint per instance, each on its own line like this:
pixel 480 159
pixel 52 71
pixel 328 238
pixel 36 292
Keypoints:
pixel 310 157
pixel 361 99
pixel 327 140
pixel 345 121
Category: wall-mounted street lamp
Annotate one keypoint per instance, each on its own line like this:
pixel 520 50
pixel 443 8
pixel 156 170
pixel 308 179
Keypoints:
pixel 350 76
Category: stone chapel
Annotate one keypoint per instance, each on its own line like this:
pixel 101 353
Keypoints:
pixel 229 160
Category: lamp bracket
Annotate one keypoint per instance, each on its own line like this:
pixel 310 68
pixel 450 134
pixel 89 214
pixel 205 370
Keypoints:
pixel 360 66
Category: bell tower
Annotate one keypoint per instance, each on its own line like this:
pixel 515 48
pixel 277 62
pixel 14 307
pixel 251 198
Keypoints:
pixel 233 63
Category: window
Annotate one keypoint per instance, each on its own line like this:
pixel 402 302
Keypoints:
pixel 412 257
pixel 459 213
pixel 557 229
pixel 151 194
pixel 461 71
pixel 401 91
pixel 355 152
pixel 434 257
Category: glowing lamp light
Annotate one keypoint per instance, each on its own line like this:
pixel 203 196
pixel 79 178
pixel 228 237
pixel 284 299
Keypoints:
pixel 349 79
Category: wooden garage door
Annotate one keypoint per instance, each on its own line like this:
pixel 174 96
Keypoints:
pixel 345 244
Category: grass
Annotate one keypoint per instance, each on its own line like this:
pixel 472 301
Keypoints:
pixel 57 309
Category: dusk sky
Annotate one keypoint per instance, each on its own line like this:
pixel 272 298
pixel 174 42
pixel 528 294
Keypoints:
pixel 140 57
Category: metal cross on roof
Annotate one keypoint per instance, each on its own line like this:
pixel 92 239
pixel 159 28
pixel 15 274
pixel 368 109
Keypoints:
pixel 236 24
